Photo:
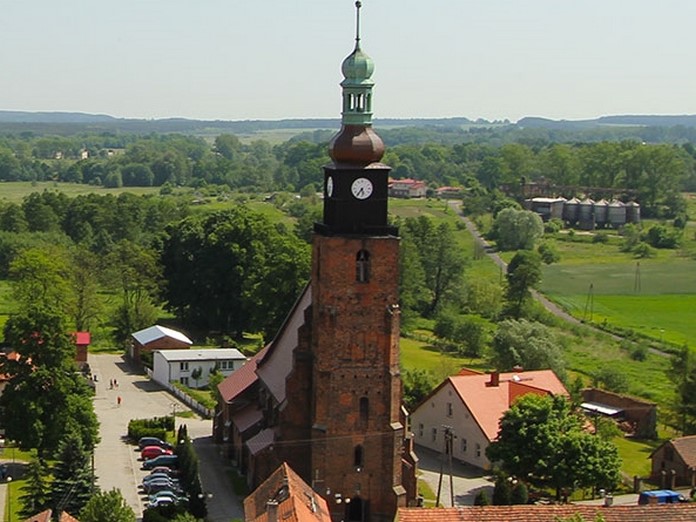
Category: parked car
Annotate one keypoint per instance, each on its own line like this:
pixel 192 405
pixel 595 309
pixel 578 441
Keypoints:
pixel 166 493
pixel 169 461
pixel 153 441
pixel 150 452
pixel 160 484
pixel 164 501
pixel 661 496
pixel 167 471
pixel 156 476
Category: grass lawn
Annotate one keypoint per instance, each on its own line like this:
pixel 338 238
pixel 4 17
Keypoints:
pixel 15 191
pixel 635 455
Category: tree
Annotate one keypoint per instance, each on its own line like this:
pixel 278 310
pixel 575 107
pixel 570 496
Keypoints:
pixel 45 398
pixel 541 439
pixel 523 274
pixel 72 484
pixel 196 374
pixel 40 278
pixel 517 229
pixel 35 495
pixel 107 506
pixel 528 344
pixel 232 271
pixel 417 384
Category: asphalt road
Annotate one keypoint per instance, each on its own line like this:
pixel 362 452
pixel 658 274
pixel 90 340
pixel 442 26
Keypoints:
pixel 117 463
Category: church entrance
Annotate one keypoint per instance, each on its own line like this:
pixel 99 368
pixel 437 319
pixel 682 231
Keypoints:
pixel 356 510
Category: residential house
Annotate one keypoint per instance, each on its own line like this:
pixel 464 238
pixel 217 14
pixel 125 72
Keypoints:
pixel 449 192
pixel 46 516
pixel 471 405
pixel 285 496
pixel 407 188
pixel 157 338
pixel 674 463
pixel 183 365
pixel 552 513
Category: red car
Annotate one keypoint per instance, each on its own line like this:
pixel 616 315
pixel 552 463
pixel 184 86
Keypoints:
pixel 150 452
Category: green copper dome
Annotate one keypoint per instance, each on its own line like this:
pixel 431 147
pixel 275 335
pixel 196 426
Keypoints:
pixel 357 68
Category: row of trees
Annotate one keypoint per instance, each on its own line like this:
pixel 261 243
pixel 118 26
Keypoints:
pixel 654 173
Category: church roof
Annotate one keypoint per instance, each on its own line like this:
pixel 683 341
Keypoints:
pixel 275 366
pixel 241 379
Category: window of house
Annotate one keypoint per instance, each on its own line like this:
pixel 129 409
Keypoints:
pixel 434 435
pixel 420 430
pixel 362 266
pixel 449 409
pixel 184 381
pixel 478 450
pixel 183 366
pixel 463 445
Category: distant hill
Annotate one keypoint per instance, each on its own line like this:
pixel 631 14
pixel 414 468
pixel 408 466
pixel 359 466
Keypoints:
pixel 686 120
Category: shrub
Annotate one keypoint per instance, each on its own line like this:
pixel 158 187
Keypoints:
pixel 600 237
pixel 520 493
pixel 643 250
pixel 548 254
pixel 552 226
pixel 482 499
pixel 659 236
pixel 155 427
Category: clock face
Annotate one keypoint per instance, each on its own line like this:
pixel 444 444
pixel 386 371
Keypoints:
pixel 329 186
pixel 361 188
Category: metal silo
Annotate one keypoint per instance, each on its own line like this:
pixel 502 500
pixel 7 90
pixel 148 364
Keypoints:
pixel 617 214
pixel 632 212
pixel 570 210
pixel 586 214
pixel 601 210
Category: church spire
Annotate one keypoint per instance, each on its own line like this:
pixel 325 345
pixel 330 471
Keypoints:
pixel 357 142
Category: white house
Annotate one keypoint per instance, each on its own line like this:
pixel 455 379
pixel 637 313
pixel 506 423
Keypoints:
pixel 182 365
pixel 470 405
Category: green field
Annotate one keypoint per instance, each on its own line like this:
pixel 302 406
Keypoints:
pixel 599 283
pixel 15 191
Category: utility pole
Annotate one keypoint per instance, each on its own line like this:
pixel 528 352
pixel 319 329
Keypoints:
pixel 448 450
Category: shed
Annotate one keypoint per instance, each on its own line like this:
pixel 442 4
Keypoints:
pixel 157 338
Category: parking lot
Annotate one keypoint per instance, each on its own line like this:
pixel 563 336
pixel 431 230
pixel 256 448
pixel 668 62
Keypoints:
pixel 117 463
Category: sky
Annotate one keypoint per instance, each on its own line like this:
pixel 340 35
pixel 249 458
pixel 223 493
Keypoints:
pixel 274 59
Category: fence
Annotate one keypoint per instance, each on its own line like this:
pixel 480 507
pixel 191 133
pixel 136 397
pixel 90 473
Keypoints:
pixel 184 397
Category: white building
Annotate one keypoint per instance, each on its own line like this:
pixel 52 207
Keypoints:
pixel 470 405
pixel 182 365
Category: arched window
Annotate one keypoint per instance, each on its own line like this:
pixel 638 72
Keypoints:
pixel 362 267
pixel 358 457
pixel 364 409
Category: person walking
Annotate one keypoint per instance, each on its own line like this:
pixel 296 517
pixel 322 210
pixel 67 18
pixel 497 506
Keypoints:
pixel 118 400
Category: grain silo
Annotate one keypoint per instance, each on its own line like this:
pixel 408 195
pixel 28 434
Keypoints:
pixel 632 212
pixel 570 210
pixel 586 214
pixel 617 214
pixel 601 210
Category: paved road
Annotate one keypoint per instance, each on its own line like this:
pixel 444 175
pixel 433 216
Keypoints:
pixel 467 480
pixel 116 462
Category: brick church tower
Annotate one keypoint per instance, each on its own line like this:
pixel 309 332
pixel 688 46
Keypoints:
pixel 357 423
pixel 325 395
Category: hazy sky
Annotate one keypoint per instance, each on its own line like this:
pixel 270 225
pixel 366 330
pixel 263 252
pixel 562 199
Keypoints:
pixel 270 59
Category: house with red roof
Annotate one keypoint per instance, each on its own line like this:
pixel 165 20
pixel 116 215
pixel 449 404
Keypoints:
pixel 407 188
pixel 82 340
pixel 674 463
pixel 552 513
pixel 471 405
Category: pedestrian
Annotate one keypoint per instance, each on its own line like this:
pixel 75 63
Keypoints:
pixel 111 384
pixel 116 383
pixel 118 400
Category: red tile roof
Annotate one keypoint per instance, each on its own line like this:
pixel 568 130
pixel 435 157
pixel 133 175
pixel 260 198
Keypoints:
pixel 44 516
pixel 527 513
pixel 82 338
pixel 292 499
pixel 240 379
pixel 488 403
pixel 247 417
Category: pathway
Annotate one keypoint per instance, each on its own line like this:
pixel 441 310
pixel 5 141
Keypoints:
pixel 116 461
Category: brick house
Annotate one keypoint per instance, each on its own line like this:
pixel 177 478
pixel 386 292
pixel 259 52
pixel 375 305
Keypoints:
pixel 552 513
pixel 674 463
pixel 639 414
pixel 471 404
pixel 82 341
pixel 156 338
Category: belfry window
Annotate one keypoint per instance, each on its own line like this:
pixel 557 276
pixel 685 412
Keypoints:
pixel 362 267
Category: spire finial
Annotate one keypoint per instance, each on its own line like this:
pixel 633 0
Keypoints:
pixel 358 5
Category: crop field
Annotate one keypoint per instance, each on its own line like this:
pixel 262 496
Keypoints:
pixel 15 191
pixel 598 283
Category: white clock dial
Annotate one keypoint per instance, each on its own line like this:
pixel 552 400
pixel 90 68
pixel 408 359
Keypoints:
pixel 361 188
pixel 329 186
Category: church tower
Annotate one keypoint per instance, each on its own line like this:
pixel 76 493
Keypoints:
pixel 357 423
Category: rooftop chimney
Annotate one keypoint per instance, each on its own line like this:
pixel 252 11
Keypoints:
pixel 495 379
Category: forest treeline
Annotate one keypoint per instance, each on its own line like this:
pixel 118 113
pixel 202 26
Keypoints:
pixel 653 174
